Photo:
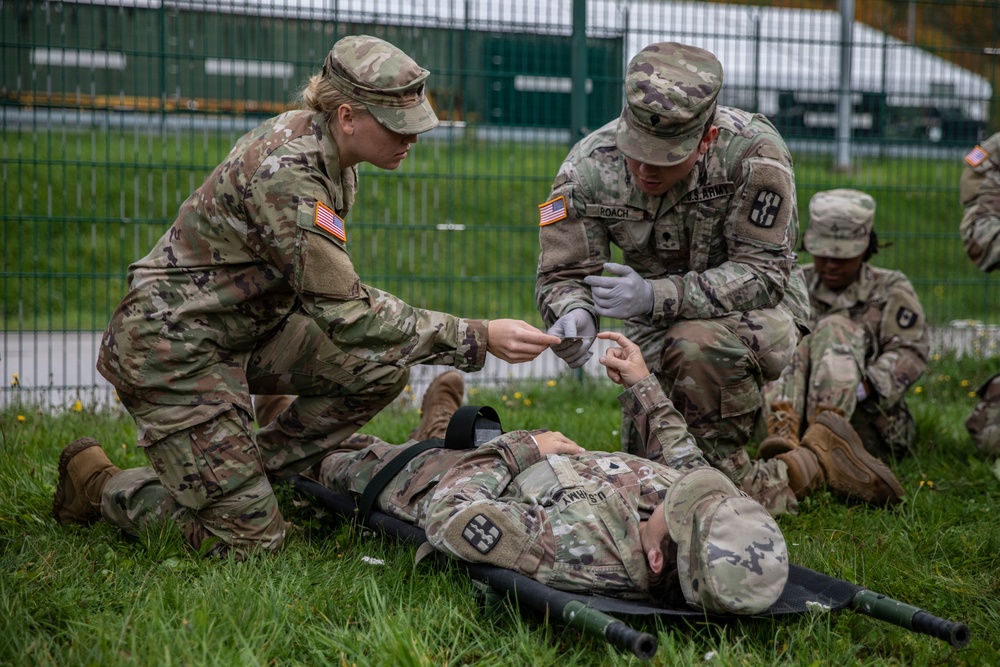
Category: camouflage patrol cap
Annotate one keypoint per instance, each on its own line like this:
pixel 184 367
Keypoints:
pixel 731 555
pixel 383 78
pixel 670 92
pixel 840 222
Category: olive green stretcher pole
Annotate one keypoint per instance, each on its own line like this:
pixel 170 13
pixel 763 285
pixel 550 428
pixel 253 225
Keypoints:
pixel 563 607
pixel 906 616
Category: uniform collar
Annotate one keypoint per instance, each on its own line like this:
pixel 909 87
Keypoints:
pixel 639 199
pixel 857 292
pixel 344 188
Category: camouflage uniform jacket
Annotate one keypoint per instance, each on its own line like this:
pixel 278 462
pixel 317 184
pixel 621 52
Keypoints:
pixel 980 191
pixel 571 522
pixel 263 237
pixel 719 242
pixel 897 340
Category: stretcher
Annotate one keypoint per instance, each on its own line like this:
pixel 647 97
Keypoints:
pixel 806 590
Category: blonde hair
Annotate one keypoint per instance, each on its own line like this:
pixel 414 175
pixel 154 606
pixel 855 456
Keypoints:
pixel 320 95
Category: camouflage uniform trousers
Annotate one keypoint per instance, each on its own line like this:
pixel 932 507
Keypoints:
pixel 214 477
pixel 350 468
pixel 713 371
pixel 983 424
pixel 826 370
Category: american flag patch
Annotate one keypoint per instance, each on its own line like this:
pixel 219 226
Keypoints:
pixel 329 221
pixel 976 156
pixel 551 211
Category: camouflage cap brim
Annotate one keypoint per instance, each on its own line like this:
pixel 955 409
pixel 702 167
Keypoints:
pixel 822 246
pixel 639 145
pixel 696 487
pixel 390 84
pixel 406 120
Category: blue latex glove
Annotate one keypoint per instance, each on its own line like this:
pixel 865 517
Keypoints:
pixel 624 296
pixel 577 322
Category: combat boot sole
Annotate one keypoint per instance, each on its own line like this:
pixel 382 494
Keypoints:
pixel 847 465
pixel 71 503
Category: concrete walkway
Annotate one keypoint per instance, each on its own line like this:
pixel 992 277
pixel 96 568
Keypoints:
pixel 57 369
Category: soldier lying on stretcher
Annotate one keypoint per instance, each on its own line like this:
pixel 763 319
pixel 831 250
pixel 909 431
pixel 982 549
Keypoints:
pixel 666 527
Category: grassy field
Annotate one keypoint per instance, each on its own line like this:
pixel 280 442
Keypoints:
pixel 454 229
pixel 89 596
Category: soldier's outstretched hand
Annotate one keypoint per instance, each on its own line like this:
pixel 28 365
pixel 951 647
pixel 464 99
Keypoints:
pixel 624 364
pixel 516 341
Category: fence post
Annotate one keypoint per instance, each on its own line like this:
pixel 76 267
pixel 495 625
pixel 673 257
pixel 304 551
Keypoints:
pixel 844 110
pixel 578 69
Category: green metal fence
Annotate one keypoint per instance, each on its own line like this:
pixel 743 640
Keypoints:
pixel 113 111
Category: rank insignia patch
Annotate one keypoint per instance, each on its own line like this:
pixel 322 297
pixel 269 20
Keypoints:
pixel 482 533
pixel 613 465
pixel 329 221
pixel 551 211
pixel 765 209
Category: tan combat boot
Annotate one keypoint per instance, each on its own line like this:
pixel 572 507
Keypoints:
pixel 804 472
pixel 267 407
pixel 443 397
pixel 84 469
pixel 848 468
pixel 782 431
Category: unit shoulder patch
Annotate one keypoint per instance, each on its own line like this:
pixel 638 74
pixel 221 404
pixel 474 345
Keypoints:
pixel 765 208
pixel 905 317
pixel 482 534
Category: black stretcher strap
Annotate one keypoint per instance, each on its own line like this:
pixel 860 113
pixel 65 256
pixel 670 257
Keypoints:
pixel 469 427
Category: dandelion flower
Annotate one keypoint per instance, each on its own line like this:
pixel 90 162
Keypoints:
pixel 517 395
pixel 972 394
pixel 503 397
pixel 20 418
pixel 78 407
pixel 918 390
pixel 551 383
pixel 15 381
pixel 527 401
pixel 473 391
pixel 964 383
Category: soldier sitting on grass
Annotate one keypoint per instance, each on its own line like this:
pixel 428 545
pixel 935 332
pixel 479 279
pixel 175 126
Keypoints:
pixel 868 344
